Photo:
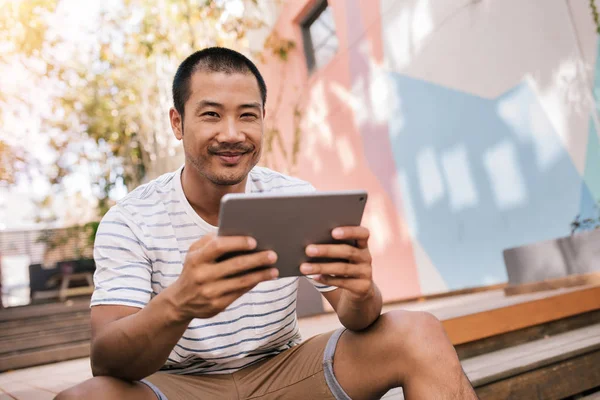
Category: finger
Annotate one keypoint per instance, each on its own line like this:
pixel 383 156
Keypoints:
pixel 348 270
pixel 243 282
pixel 243 263
pixel 358 233
pixel 220 245
pixel 343 251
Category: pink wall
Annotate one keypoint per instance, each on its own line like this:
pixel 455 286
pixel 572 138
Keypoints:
pixel 332 148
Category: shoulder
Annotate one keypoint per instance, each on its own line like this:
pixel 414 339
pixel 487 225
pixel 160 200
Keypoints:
pixel 157 189
pixel 266 180
pixel 146 200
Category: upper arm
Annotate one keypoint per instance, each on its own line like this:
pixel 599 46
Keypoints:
pixel 102 316
pixel 123 275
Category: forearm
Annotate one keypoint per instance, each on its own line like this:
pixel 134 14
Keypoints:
pixel 358 315
pixel 136 346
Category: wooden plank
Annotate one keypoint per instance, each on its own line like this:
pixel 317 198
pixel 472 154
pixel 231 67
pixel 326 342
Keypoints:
pixel 529 334
pixel 552 382
pixel 38 310
pixel 44 339
pixel 27 328
pixel 468 328
pixel 592 278
pixel 452 293
pixel 44 320
pixel 47 356
pixel 51 330
pixel 516 360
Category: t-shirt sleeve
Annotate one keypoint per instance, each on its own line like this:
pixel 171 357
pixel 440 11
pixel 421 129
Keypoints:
pixel 123 270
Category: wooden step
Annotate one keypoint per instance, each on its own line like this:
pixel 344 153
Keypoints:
pixel 49 355
pixel 553 368
pixel 44 339
pixel 528 334
pixel 39 323
pixel 474 322
pixel 41 310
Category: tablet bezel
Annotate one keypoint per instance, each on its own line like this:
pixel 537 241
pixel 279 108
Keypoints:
pixel 243 214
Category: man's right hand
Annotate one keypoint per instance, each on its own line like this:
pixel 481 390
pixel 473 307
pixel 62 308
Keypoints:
pixel 206 287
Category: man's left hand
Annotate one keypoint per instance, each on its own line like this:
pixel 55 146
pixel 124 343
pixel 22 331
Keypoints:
pixel 356 275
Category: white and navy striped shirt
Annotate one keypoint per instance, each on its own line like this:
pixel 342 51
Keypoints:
pixel 139 251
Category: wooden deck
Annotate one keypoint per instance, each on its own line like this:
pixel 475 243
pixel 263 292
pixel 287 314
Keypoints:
pixel 543 344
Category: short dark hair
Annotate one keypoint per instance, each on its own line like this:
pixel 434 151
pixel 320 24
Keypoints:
pixel 212 59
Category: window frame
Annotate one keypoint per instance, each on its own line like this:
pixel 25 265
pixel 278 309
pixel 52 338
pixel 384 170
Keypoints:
pixel 309 49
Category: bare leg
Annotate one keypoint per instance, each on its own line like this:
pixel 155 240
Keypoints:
pixel 408 349
pixel 103 387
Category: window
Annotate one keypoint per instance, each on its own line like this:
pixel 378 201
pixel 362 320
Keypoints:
pixel 320 39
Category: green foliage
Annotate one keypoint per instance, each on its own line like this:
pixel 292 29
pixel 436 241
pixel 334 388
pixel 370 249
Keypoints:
pixel 585 224
pixel 12 160
pixel 110 112
pixel 595 15
pixel 23 27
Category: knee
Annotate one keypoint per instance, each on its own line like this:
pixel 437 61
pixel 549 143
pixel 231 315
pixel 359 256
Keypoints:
pixel 410 324
pixel 415 333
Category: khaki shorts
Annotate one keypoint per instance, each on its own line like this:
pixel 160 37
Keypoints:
pixel 303 372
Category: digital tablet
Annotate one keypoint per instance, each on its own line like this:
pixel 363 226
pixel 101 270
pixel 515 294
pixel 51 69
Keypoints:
pixel 287 223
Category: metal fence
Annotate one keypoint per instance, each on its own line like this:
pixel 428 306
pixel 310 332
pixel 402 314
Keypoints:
pixel 46 247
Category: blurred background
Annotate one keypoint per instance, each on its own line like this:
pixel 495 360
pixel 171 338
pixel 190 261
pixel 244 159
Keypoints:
pixel 473 124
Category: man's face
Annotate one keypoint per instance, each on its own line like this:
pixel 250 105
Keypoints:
pixel 223 126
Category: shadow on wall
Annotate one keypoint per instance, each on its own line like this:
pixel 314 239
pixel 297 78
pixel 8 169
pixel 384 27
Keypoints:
pixel 480 175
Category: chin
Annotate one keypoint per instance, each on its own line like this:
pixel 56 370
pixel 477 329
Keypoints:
pixel 228 179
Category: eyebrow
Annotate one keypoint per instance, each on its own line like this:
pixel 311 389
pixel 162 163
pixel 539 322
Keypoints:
pixel 255 105
pixel 209 103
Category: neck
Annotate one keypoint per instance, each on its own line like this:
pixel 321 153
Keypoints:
pixel 204 196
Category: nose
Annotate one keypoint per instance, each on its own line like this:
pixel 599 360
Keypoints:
pixel 231 132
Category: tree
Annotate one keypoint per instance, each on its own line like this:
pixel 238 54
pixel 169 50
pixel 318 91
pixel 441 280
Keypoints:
pixel 109 110
pixel 119 99
pixel 23 27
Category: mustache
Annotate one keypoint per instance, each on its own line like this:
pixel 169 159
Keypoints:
pixel 231 148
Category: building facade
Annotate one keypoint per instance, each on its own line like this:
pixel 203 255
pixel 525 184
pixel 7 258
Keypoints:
pixel 471 123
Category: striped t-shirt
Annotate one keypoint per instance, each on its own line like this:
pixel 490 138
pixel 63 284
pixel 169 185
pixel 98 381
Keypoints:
pixel 139 250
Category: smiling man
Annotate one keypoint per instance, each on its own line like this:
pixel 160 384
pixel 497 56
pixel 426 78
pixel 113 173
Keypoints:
pixel 171 322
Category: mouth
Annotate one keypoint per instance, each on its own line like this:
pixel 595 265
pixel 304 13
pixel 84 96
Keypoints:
pixel 230 158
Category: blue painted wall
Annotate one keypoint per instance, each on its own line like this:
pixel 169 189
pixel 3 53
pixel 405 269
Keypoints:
pixel 497 173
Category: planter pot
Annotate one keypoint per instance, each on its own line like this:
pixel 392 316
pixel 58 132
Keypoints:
pixel 551 259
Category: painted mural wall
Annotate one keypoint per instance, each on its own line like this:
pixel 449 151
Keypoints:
pixel 469 122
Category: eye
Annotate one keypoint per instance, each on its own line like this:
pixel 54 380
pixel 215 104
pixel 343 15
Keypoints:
pixel 249 116
pixel 210 114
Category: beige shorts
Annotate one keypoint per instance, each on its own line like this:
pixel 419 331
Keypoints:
pixel 303 372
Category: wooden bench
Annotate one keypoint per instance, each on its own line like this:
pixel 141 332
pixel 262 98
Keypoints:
pixel 42 334
pixel 546 347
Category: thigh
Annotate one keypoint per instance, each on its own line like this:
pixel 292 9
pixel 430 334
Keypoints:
pixel 296 373
pixel 184 387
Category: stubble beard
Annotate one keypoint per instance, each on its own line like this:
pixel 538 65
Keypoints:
pixel 234 177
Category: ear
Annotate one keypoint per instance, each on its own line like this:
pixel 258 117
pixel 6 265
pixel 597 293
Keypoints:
pixel 176 123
